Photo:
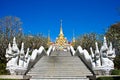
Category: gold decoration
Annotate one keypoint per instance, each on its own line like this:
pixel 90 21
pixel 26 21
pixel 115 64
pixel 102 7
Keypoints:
pixel 61 41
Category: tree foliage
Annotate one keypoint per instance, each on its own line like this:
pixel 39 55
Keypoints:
pixel 113 35
pixel 10 27
pixel 88 40
pixel 117 62
pixel 32 41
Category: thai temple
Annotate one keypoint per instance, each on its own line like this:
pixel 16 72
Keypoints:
pixel 61 42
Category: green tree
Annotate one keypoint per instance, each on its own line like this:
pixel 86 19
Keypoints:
pixel 35 41
pixel 88 40
pixel 113 35
pixel 10 26
pixel 117 62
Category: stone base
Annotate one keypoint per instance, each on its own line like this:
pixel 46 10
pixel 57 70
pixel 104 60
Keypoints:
pixel 102 70
pixel 15 77
pixel 18 71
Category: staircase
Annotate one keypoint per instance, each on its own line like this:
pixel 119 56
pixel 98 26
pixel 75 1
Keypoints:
pixel 59 65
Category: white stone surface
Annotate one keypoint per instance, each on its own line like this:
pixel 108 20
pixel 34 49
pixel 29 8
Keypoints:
pixel 72 50
pixel 104 58
pixel 97 55
pixel 18 61
pixel 50 50
pixel 100 60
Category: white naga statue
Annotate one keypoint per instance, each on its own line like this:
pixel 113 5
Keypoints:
pixel 100 60
pixel 27 59
pixel 17 60
pixel 12 54
pixel 111 52
pixel 107 54
pixel 92 58
pixel 104 58
pixel 97 55
pixel 21 56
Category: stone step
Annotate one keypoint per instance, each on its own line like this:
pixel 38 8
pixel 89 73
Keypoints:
pixel 59 78
pixel 59 68
pixel 61 53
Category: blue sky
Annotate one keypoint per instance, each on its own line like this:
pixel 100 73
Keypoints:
pixel 82 16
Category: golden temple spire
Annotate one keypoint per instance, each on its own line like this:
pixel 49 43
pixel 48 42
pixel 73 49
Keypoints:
pixel 73 40
pixel 61 31
pixel 61 42
pixel 48 37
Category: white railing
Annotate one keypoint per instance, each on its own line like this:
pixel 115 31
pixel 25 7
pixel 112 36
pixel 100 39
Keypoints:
pixel 19 62
pixel 49 50
pixel 100 61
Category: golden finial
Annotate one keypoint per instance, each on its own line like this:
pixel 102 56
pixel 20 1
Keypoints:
pixel 48 37
pixel 61 31
pixel 73 39
pixel 61 23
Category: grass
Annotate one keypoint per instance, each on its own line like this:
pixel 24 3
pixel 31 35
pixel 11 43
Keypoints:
pixel 108 78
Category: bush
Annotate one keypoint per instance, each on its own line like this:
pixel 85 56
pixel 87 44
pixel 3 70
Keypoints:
pixel 2 69
pixel 108 78
pixel 115 72
pixel 105 78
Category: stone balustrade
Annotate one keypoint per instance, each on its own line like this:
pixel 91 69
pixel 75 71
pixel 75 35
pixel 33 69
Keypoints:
pixel 100 61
